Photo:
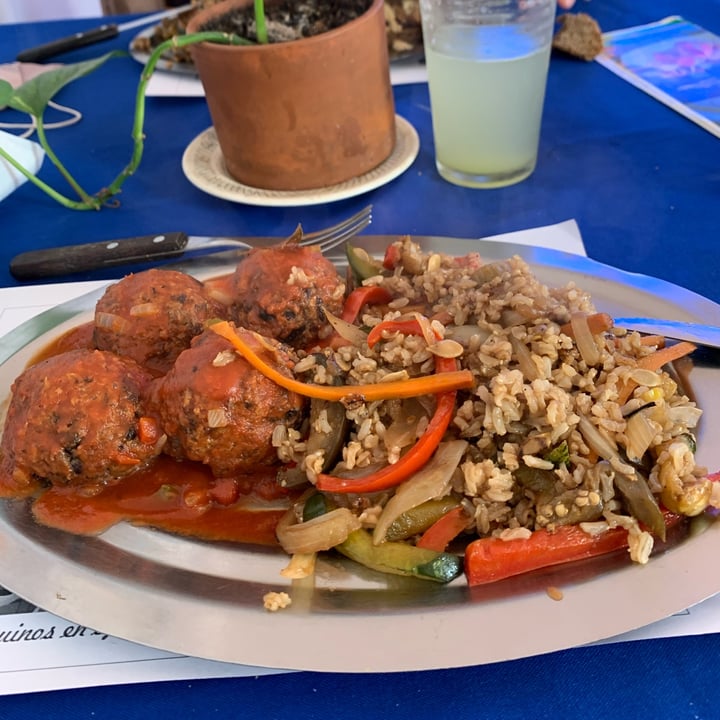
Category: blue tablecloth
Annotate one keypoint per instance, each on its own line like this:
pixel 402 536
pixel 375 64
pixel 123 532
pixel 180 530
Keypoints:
pixel 643 184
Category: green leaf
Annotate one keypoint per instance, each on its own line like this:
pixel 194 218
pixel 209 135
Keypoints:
pixel 6 92
pixel 33 96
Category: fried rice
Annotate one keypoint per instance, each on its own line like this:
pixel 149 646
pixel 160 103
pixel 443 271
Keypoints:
pixel 555 426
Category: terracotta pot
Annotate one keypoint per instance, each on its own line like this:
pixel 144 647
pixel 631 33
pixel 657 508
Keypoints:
pixel 302 114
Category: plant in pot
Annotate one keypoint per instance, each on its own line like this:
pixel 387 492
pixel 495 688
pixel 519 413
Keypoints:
pixel 311 107
pixel 355 129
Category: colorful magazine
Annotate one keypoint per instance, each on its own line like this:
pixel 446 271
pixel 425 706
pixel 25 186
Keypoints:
pixel 675 61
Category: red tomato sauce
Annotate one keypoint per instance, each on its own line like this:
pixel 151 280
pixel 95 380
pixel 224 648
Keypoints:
pixel 178 497
pixel 74 339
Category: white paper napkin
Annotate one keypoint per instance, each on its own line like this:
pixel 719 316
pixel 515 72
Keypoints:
pixel 28 153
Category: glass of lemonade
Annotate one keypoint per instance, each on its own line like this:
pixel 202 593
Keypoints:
pixel 487 64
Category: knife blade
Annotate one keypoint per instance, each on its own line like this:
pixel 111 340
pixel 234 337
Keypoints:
pixel 88 37
pixel 676 329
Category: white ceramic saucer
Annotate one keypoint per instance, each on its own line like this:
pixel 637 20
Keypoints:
pixel 203 166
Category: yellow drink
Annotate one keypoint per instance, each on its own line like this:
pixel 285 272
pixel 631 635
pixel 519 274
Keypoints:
pixel 487 86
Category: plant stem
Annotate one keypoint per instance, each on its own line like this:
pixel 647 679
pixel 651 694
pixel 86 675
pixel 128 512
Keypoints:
pixel 96 201
pixel 260 23
pixel 137 132
pixel 71 204
pixel 42 139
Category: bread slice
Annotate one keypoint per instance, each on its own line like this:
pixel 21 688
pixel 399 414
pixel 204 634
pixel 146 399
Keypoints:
pixel 579 35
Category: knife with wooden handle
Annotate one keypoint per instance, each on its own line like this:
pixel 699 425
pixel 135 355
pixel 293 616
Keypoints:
pixel 70 259
pixel 89 37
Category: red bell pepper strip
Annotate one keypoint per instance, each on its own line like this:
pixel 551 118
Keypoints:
pixel 490 559
pixel 406 327
pixel 361 296
pixel 444 530
pixel 415 458
pixel 392 257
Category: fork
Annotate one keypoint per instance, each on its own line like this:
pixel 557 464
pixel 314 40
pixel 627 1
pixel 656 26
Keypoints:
pixel 70 259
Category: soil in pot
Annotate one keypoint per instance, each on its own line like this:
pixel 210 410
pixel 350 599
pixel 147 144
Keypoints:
pixel 288 20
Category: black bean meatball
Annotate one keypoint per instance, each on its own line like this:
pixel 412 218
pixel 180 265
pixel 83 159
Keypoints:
pixel 217 409
pixel 74 419
pixel 282 292
pixel 152 316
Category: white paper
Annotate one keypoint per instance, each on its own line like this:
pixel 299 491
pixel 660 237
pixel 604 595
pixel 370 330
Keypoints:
pixel 41 651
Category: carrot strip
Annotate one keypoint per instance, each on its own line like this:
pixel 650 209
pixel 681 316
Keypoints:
pixel 432 384
pixel 666 355
pixel 655 361
pixel 444 530
pixel 490 559
pixel 658 340
pixel 597 322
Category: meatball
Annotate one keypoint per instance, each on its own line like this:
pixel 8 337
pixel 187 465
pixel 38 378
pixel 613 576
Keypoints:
pixel 152 316
pixel 217 409
pixel 282 292
pixel 74 419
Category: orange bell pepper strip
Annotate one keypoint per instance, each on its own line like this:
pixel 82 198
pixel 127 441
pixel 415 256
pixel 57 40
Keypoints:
pixel 418 455
pixel 491 559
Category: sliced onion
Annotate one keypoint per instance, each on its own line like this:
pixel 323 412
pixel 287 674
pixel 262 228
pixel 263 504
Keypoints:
pixel 224 357
pixel 320 533
pixel 524 358
pixel 464 334
pixel 603 446
pixel 111 321
pixel 426 328
pixel 586 345
pixel 218 418
pixel 640 432
pixel 220 289
pixel 512 317
pixel 301 565
pixel 597 441
pixel 431 482
pixel 347 331
pixel 490 271
pixel 403 431
pixel 144 309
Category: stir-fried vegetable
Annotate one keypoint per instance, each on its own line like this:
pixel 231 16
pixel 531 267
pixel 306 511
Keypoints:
pixel 432 481
pixel 444 530
pixel 365 295
pixel 490 559
pixel 415 458
pixel 362 264
pixel 400 558
pixel 418 519
pixel 250 346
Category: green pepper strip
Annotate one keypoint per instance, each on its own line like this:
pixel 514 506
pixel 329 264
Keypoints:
pixel 415 458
